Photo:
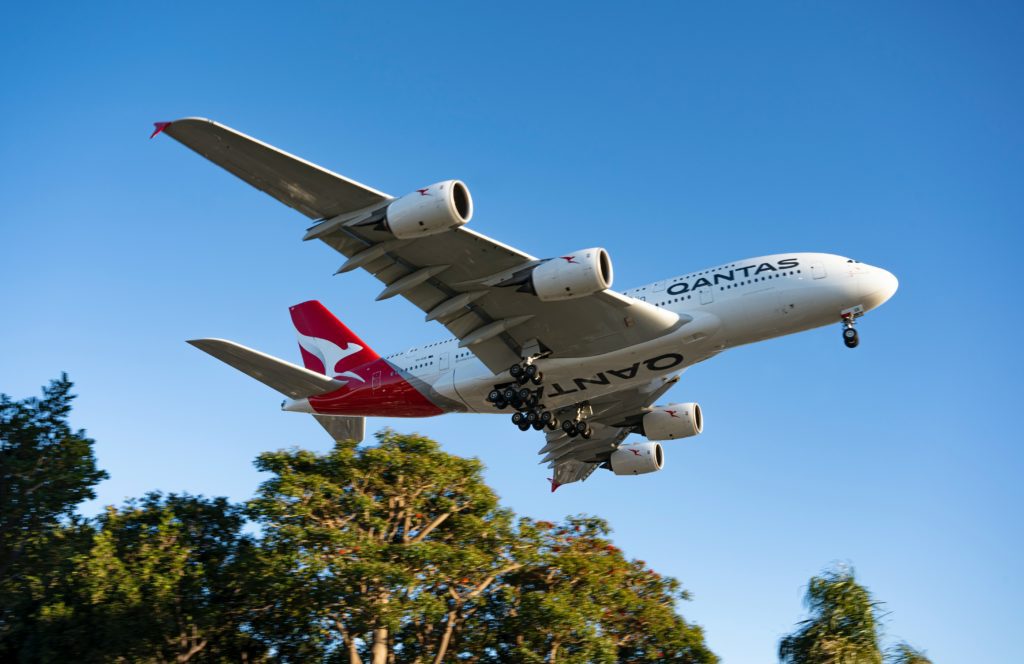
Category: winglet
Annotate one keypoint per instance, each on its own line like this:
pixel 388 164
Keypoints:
pixel 554 484
pixel 160 126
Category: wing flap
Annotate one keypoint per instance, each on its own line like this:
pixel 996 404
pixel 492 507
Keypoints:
pixel 314 191
pixel 287 378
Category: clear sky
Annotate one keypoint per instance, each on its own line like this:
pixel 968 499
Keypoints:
pixel 678 136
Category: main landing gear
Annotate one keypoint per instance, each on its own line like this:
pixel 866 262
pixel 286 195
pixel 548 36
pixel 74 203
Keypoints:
pixel 530 413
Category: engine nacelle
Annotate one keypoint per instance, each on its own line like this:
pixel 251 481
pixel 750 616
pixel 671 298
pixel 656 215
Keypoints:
pixel 677 420
pixel 431 210
pixel 582 273
pixel 637 459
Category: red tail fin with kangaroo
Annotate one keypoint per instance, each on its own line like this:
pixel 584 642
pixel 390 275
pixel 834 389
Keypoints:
pixel 327 345
pixel 372 386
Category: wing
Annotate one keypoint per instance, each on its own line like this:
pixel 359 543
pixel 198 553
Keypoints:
pixel 574 459
pixel 451 276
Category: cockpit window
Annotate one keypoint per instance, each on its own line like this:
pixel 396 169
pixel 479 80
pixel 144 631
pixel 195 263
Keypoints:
pixel 850 260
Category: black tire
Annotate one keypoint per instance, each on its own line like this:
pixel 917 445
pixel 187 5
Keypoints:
pixel 524 426
pixel 509 393
pixel 531 416
pixel 522 380
pixel 585 431
pixel 538 426
pixel 531 401
pixel 852 343
pixel 553 424
pixel 849 333
pixel 569 427
pixel 517 417
pixel 546 416
pixel 538 379
pixel 515 370
pixel 531 370
pixel 524 394
pixel 494 396
pixel 501 404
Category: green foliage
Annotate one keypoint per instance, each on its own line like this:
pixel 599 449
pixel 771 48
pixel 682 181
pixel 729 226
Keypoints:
pixel 580 600
pixel 165 578
pixel 903 653
pixel 46 469
pixel 396 552
pixel 843 627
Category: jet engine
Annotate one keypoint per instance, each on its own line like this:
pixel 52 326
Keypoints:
pixel 431 210
pixel 581 273
pixel 637 459
pixel 677 420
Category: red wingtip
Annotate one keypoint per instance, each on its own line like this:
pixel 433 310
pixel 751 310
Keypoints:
pixel 160 126
pixel 554 484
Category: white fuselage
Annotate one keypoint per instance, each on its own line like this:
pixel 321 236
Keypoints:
pixel 725 306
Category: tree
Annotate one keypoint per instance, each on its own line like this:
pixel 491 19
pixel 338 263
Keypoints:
pixel 578 599
pixel 400 553
pixel 903 653
pixel 843 627
pixel 46 469
pixel 369 543
pixel 165 579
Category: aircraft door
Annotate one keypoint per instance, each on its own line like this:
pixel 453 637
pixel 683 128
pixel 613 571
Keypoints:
pixel 442 362
pixel 818 270
pixel 707 295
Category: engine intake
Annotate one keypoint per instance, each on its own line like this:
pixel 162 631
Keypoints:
pixel 579 274
pixel 677 420
pixel 431 210
pixel 637 459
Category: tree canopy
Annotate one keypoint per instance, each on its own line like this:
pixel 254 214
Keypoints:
pixel 393 552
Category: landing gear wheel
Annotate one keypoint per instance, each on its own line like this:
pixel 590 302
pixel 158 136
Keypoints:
pixel 501 404
pixel 545 416
pixel 518 418
pixel 524 426
pixel 538 425
pixel 531 401
pixel 531 370
pixel 524 394
pixel 569 427
pixel 494 396
pixel 516 370
pixel 553 424
pixel 532 417
pixel 850 337
pixel 584 431
pixel 509 393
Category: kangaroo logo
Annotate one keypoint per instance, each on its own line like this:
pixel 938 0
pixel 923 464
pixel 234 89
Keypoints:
pixel 330 354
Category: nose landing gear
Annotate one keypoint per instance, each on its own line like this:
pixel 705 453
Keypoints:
pixel 850 336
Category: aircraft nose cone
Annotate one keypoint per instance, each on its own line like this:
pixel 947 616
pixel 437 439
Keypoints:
pixel 883 285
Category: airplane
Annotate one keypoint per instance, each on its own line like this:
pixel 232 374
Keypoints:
pixel 545 342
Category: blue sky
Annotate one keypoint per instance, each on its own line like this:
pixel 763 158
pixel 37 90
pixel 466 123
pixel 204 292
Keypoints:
pixel 676 135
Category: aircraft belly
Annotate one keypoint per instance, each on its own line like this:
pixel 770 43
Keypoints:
pixel 571 380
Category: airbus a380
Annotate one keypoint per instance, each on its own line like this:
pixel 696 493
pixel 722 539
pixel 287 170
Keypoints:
pixel 545 342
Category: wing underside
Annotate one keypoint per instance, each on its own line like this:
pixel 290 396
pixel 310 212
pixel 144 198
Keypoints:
pixel 497 323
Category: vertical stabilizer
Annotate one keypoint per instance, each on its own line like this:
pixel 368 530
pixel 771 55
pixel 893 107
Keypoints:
pixel 326 344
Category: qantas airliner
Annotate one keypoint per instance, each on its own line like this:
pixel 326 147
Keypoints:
pixel 545 342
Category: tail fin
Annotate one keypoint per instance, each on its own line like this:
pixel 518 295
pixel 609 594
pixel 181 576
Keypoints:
pixel 327 346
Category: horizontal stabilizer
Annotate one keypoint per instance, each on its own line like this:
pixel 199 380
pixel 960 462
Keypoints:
pixel 343 427
pixel 285 377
